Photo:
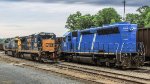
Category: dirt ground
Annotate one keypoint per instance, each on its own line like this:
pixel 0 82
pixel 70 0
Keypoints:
pixel 11 73
pixel 22 71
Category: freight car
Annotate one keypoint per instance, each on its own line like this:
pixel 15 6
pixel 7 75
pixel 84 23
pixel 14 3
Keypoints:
pixel 39 46
pixel 113 44
pixel 143 35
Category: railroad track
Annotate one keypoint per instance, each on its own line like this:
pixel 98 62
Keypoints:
pixel 143 70
pixel 108 74
pixel 94 73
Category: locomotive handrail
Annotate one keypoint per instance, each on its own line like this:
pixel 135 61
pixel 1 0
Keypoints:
pixel 121 50
pixel 117 50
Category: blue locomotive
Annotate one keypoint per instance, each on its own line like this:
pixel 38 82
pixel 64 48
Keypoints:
pixel 113 44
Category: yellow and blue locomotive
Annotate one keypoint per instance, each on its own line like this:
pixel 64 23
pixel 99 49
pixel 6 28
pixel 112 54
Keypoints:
pixel 39 46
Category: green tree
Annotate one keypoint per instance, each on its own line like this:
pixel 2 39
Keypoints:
pixel 78 21
pixel 142 19
pixel 86 21
pixel 133 18
pixel 73 21
pixel 106 16
pixel 144 10
pixel 98 19
pixel 147 20
pixel 113 21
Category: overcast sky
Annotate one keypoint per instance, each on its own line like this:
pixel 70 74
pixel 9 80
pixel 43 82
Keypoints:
pixel 24 17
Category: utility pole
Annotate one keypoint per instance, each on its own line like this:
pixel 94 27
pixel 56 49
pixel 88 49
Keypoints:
pixel 124 15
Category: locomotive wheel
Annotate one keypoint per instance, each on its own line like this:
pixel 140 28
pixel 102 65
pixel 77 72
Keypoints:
pixel 5 52
pixel 107 64
pixel 13 54
pixel 38 59
pixel 95 62
pixel 112 64
pixel 124 67
pixel 21 55
pixel 33 57
pixel 68 60
pixel 102 64
pixel 16 54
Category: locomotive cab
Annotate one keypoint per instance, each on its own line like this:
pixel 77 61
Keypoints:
pixel 48 42
pixel 131 52
pixel 48 45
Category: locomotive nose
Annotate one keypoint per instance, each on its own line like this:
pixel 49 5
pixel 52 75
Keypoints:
pixel 48 45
